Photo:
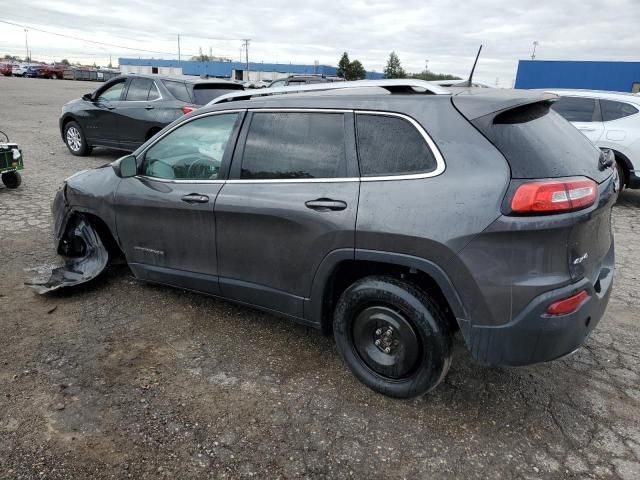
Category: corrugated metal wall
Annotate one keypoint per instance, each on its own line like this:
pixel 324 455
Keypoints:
pixel 613 76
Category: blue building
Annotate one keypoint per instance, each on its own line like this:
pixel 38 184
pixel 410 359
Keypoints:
pixel 613 76
pixel 225 69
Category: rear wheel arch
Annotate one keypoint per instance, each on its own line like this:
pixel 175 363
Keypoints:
pixel 336 274
pixel 625 165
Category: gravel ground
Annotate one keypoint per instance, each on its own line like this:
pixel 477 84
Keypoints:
pixel 121 379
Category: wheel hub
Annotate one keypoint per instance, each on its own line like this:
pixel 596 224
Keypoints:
pixel 386 341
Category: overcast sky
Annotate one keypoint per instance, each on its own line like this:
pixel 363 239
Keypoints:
pixel 446 33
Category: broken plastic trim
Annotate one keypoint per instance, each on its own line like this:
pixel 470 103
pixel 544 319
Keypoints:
pixel 84 254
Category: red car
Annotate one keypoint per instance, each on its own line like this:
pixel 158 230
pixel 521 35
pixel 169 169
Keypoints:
pixel 53 71
pixel 5 69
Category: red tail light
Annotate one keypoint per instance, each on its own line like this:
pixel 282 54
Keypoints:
pixel 186 110
pixel 554 195
pixel 568 305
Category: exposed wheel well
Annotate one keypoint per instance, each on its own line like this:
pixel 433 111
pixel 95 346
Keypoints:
pixel 349 271
pixel 105 234
pixel 152 132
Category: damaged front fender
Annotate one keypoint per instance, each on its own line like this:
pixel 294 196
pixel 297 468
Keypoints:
pixel 84 254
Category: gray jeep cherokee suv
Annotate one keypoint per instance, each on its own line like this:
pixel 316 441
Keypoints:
pixel 390 216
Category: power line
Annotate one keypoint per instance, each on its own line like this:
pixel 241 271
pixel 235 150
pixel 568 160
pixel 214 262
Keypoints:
pixel 87 40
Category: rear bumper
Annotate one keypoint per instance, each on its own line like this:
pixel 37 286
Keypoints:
pixel 534 336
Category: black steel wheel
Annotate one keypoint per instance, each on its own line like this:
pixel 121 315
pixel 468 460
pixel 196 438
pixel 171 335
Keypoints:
pixel 11 179
pixel 392 336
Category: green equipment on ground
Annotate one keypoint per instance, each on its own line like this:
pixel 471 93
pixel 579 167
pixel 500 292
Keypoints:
pixel 10 162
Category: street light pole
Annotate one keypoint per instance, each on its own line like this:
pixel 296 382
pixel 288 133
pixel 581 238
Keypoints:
pixel 246 53
pixel 533 55
pixel 26 42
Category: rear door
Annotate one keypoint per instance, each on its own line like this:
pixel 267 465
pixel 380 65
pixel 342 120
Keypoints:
pixel 291 200
pixel 584 113
pixel 137 113
pixel 164 215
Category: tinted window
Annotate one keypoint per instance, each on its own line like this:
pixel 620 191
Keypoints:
pixel 277 83
pixel 193 151
pixel 139 89
pixel 154 94
pixel 539 143
pixel 391 146
pixel 112 93
pixel 612 110
pixel 203 94
pixel 295 145
pixel 178 90
pixel 576 109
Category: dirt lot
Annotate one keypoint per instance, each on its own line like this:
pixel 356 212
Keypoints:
pixel 123 379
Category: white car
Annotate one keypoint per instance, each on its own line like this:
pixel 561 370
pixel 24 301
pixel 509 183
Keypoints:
pixel 610 120
pixel 19 69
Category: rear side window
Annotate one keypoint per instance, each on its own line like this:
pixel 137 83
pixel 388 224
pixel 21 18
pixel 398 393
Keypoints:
pixel 391 146
pixel 204 93
pixel 178 90
pixel 576 109
pixel 539 143
pixel 289 145
pixel 612 110
pixel 139 89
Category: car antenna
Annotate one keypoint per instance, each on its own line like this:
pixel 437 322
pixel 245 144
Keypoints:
pixel 468 83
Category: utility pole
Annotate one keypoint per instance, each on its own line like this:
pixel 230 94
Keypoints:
pixel 179 58
pixel 533 55
pixel 246 53
pixel 26 42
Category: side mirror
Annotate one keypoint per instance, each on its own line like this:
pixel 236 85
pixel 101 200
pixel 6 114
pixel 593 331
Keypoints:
pixel 128 166
pixel 88 97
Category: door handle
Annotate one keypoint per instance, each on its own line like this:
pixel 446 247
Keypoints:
pixel 587 129
pixel 149 107
pixel 326 205
pixel 109 107
pixel 195 198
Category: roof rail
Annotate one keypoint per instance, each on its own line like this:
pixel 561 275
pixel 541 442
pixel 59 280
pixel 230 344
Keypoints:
pixel 394 86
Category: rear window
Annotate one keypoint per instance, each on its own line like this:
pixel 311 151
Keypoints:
pixel 391 146
pixel 203 93
pixel 576 109
pixel 612 110
pixel 295 145
pixel 538 143
pixel 178 90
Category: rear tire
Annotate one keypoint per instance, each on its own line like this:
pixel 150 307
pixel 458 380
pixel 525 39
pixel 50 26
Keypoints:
pixel 11 179
pixel 392 336
pixel 75 140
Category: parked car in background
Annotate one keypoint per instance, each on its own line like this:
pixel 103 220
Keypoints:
pixel 34 71
pixel 6 69
pixel 128 110
pixel 303 79
pixel 611 121
pixel 390 220
pixel 55 71
pixel 19 69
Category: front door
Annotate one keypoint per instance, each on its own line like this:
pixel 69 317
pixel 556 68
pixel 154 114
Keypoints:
pixel 291 200
pixel 164 215
pixel 101 123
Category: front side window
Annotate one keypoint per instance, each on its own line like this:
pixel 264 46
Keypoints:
pixel 112 93
pixel 612 110
pixel 193 151
pixel 139 90
pixel 391 146
pixel 576 109
pixel 291 145
pixel 277 83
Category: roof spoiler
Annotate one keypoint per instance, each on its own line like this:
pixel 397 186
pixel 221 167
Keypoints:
pixel 474 106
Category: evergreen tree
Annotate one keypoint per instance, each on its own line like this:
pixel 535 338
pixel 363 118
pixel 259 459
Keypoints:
pixel 394 68
pixel 343 66
pixel 356 71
